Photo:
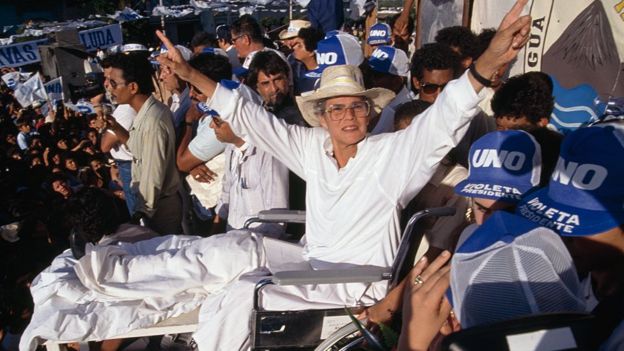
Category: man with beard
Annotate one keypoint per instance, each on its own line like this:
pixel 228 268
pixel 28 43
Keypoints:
pixel 269 77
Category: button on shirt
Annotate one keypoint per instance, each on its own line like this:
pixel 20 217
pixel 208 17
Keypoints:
pixel 152 143
pixel 253 181
pixel 353 212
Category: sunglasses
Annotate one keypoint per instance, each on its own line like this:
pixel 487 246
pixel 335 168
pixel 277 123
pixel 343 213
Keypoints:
pixel 431 88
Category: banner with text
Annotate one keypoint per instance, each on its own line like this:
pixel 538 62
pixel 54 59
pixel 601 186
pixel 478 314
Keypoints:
pixel 21 54
pixel 576 41
pixel 102 37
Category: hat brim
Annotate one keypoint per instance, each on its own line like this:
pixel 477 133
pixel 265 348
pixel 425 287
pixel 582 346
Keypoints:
pixel 379 96
pixel 564 219
pixel 285 35
pixel 488 189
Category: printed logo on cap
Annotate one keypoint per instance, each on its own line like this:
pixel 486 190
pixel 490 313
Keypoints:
pixel 504 165
pixel 387 59
pixel 341 49
pixel 379 34
pixel 585 195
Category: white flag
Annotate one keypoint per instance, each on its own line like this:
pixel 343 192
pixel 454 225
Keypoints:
pixel 13 79
pixel 30 91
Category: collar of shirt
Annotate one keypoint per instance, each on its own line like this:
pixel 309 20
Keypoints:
pixel 328 147
pixel 136 122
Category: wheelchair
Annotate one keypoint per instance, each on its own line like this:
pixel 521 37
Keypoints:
pixel 308 329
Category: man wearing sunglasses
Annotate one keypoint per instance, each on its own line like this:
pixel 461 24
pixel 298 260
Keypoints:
pixel 151 139
pixel 433 66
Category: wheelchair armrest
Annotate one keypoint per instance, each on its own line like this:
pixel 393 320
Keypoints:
pixel 368 274
pixel 277 216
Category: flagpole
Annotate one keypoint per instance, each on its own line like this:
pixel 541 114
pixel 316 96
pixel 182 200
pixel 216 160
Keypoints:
pixel 162 20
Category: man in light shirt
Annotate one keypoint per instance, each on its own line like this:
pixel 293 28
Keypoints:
pixel 151 139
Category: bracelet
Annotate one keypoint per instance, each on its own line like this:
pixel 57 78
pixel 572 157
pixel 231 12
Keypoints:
pixel 481 79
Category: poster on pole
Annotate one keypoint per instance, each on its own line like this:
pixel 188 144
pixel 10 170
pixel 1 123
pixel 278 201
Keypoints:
pixel 102 37
pixel 575 41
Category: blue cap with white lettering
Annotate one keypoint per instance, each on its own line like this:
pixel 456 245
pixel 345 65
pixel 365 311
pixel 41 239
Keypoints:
pixel 585 195
pixel 504 165
pixel 340 49
pixel 387 59
pixel 379 34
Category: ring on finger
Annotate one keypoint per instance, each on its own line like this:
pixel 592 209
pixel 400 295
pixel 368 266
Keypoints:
pixel 197 176
pixel 418 280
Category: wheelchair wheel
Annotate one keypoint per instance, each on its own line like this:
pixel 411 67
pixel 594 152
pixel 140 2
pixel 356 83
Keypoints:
pixel 345 338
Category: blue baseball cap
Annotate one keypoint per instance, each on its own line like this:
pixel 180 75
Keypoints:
pixel 214 51
pixel 504 165
pixel 340 49
pixel 585 194
pixel 533 257
pixel 574 107
pixel 387 59
pixel 379 34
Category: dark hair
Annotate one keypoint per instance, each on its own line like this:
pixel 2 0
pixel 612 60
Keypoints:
pixel 526 95
pixel 434 56
pixel 267 62
pixel 215 67
pixel 135 69
pixel 203 38
pixel 409 110
pixel 21 122
pixel 311 36
pixel 54 177
pixel 461 38
pixel 248 25
pixel 410 23
pixel 95 213
pixel 550 143
pixel 484 38
pixel 224 32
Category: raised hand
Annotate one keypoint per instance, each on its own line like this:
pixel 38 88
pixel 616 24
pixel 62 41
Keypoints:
pixel 173 59
pixel 512 34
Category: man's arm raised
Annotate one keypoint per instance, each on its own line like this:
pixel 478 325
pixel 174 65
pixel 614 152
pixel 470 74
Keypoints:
pixel 512 35
pixel 174 60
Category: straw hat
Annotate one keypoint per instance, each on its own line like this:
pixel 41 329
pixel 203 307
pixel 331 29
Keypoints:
pixel 293 29
pixel 341 80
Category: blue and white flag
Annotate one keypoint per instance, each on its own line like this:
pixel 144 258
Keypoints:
pixel 30 91
pixel 54 89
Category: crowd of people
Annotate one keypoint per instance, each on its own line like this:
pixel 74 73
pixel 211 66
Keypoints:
pixel 197 140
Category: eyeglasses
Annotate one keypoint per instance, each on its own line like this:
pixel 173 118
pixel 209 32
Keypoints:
pixel 114 84
pixel 234 39
pixel 431 88
pixel 337 112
